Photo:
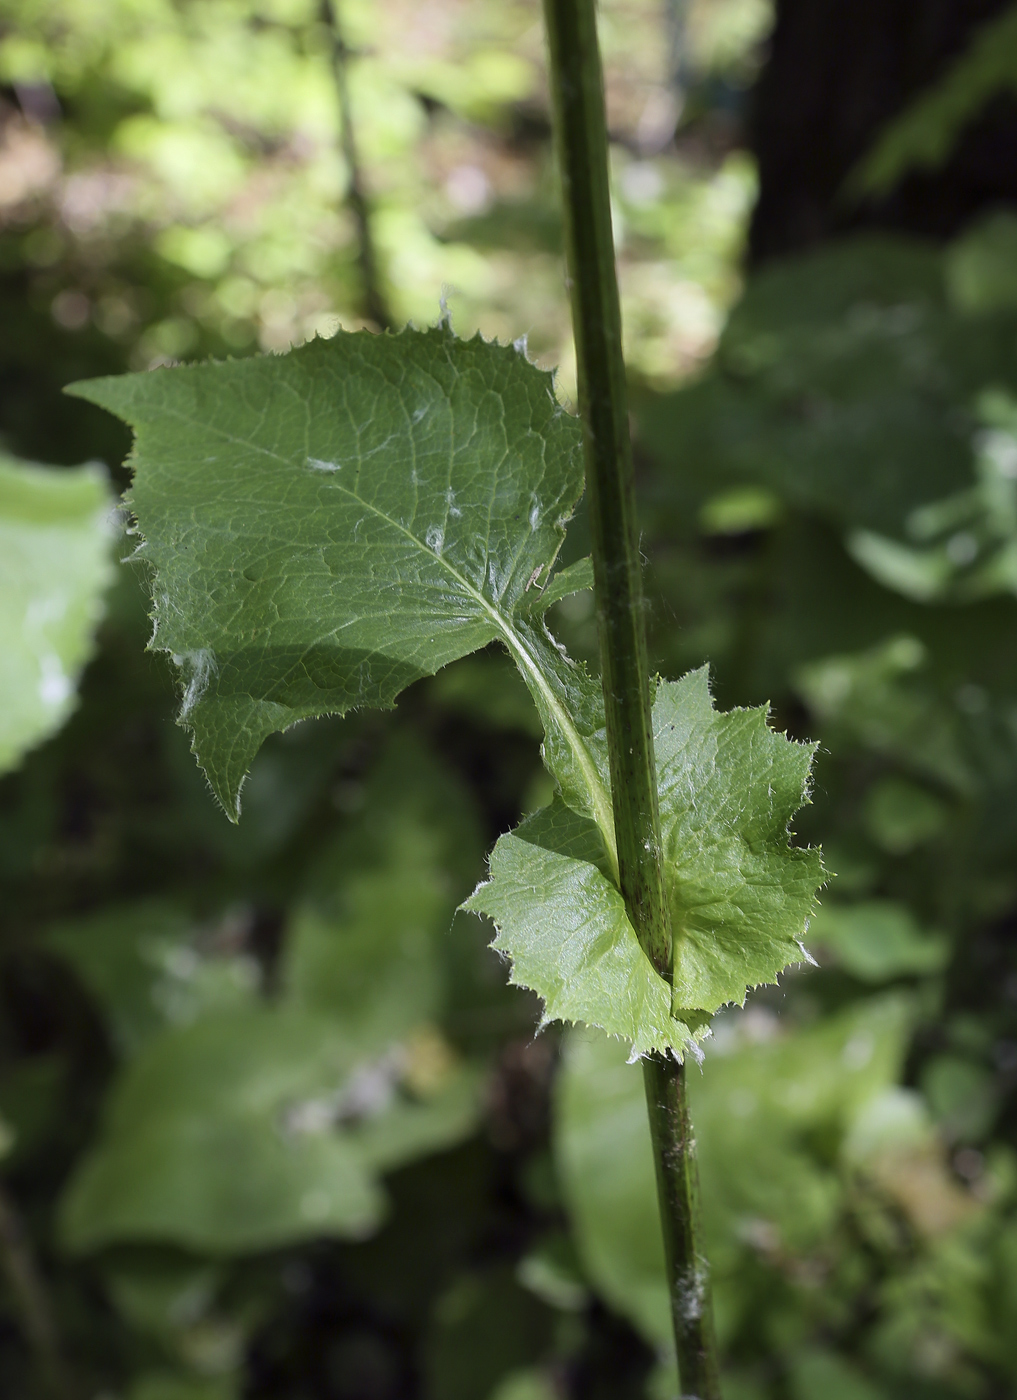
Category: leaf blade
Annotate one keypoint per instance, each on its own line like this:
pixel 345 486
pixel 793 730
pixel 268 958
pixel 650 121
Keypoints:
pixel 740 895
pixel 563 925
pixel 330 525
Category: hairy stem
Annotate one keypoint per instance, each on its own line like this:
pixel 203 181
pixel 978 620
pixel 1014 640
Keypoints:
pixel 578 92
pixel 674 1155
pixel 596 317
pixel 29 1293
pixel 374 302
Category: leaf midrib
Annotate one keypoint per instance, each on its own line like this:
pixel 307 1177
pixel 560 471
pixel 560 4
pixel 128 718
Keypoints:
pixel 527 662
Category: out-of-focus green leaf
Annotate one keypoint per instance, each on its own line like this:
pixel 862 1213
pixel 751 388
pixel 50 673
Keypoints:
pixel 739 511
pixel 181 1305
pixel 964 546
pixel 606 1167
pixel 146 967
pixel 31 1099
pixel 844 382
pixel 166 1385
pixel 877 698
pixel 756 1108
pixel 489 689
pixel 552 1272
pixel 264 1127
pixel 900 815
pixel 446 1114
pixel 740 896
pixel 55 564
pixel 530 1384
pixel 821 1375
pixel 925 133
pixel 877 940
pixel 161 1291
pixel 368 944
pixel 219 1138
pixel 981 265
pixel 400 496
pixel 962 1095
pixel 485 1329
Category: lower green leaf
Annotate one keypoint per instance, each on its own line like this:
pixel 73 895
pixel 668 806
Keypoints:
pixel 259 1128
pixel 563 925
pixel 210 1145
pixel 740 895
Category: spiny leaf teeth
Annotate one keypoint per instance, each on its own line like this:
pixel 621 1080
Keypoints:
pixel 740 895
pixel 329 525
pixel 563 926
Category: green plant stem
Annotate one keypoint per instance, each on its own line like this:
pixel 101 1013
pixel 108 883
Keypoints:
pixel 674 1155
pixel 603 402
pixel 581 127
pixel 374 301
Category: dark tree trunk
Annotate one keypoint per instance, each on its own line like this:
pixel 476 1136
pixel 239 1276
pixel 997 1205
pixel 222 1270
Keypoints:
pixel 837 72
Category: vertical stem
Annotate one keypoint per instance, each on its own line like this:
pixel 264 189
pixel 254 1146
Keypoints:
pixel 603 401
pixel 578 92
pixel 688 1271
pixel 375 304
pixel 29 1292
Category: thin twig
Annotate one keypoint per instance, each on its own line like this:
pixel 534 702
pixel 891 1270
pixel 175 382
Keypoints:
pixel 578 91
pixel 374 301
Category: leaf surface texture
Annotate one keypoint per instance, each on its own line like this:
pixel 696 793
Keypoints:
pixel 328 526
pixel 740 895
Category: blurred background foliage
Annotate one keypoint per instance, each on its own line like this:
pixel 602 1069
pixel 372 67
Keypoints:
pixel 271 1123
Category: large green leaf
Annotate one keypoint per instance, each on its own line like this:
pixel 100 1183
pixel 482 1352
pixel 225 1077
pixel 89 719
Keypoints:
pixel 740 895
pixel 327 526
pixel 260 1127
pixel 55 563
pixel 563 924
pixel 209 1142
pixel 149 965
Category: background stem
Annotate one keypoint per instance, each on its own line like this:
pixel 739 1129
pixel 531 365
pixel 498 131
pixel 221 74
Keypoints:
pixel 29 1292
pixel 374 301
pixel 581 128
